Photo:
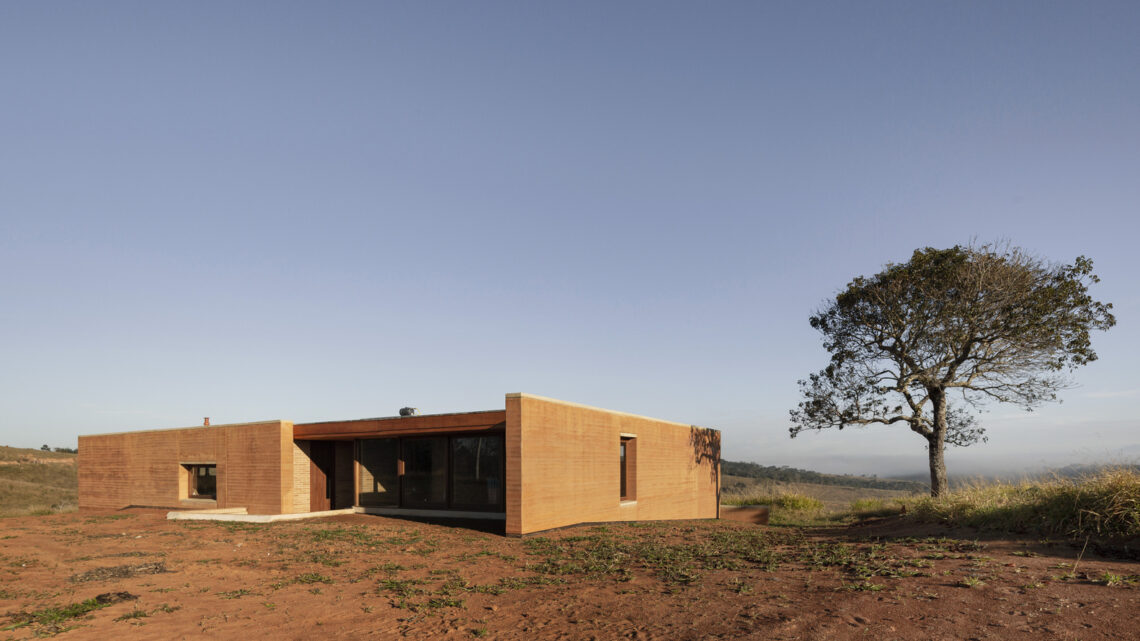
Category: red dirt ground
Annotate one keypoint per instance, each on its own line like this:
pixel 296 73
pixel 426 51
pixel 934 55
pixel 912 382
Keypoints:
pixel 372 577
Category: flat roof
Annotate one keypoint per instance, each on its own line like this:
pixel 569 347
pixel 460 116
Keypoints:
pixel 398 418
pixel 480 421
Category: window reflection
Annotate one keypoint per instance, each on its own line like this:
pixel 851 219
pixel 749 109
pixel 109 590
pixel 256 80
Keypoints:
pixel 477 471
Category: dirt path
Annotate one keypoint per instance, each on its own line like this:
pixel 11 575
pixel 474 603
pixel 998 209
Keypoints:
pixel 372 577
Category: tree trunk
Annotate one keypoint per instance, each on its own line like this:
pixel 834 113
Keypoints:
pixel 936 445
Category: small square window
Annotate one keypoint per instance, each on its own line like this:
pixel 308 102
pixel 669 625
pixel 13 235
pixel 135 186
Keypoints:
pixel 203 481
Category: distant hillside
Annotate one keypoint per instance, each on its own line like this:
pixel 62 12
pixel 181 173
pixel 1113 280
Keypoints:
pixel 1079 470
pixel 28 454
pixel 36 481
pixel 793 475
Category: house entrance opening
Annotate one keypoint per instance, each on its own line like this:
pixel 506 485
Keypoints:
pixel 330 475
pixel 461 472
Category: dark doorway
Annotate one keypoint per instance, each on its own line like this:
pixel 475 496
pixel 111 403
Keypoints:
pixel 322 476
pixel 330 475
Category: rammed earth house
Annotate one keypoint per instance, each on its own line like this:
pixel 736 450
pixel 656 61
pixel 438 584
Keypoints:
pixel 536 464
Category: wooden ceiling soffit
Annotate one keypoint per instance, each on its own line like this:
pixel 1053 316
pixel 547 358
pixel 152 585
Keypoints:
pixel 410 425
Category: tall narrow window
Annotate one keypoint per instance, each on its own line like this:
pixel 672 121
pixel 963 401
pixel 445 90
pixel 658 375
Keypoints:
pixel 628 462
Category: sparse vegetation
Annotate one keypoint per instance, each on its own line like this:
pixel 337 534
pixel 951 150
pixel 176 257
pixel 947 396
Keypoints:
pixel 577 582
pixel 1104 505
pixel 792 502
pixel 54 617
pixel 971 582
pixel 20 454
pixel 29 486
pixel 870 508
pixel 428 577
pixel 136 613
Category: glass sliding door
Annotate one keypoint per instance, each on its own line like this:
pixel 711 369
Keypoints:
pixel 477 472
pixel 463 472
pixel 379 472
pixel 425 472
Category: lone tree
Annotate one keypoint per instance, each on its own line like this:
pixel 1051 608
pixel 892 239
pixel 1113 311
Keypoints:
pixel 988 323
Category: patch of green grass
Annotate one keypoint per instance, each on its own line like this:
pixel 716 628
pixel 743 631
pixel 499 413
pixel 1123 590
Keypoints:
pixel 136 613
pixel 401 587
pixel 388 568
pixel 436 603
pixel 54 618
pixel 354 535
pixel 311 577
pixel 616 555
pixel 971 582
pixel 1111 579
pixel 518 583
pixel 739 586
pixel 861 586
pixel 240 526
pixel 330 559
pixel 103 518
pixel 468 556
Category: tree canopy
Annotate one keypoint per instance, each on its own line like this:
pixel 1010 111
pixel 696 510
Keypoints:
pixel 982 323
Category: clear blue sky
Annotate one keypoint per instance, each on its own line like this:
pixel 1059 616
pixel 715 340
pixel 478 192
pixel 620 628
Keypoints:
pixel 330 210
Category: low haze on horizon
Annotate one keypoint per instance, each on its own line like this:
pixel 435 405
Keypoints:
pixel 313 211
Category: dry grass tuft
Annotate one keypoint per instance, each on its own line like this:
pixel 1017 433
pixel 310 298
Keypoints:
pixel 870 508
pixel 37 488
pixel 1105 504
pixel 789 501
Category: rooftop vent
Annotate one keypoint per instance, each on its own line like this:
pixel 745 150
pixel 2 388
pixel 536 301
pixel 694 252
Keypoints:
pixel 409 411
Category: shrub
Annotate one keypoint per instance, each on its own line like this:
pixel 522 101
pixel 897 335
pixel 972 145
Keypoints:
pixel 791 501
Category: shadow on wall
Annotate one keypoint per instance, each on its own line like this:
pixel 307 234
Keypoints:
pixel 706 450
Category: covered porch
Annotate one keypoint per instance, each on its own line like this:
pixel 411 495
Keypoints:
pixel 436 466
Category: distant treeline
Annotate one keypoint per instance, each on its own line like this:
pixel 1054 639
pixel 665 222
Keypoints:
pixel 793 475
